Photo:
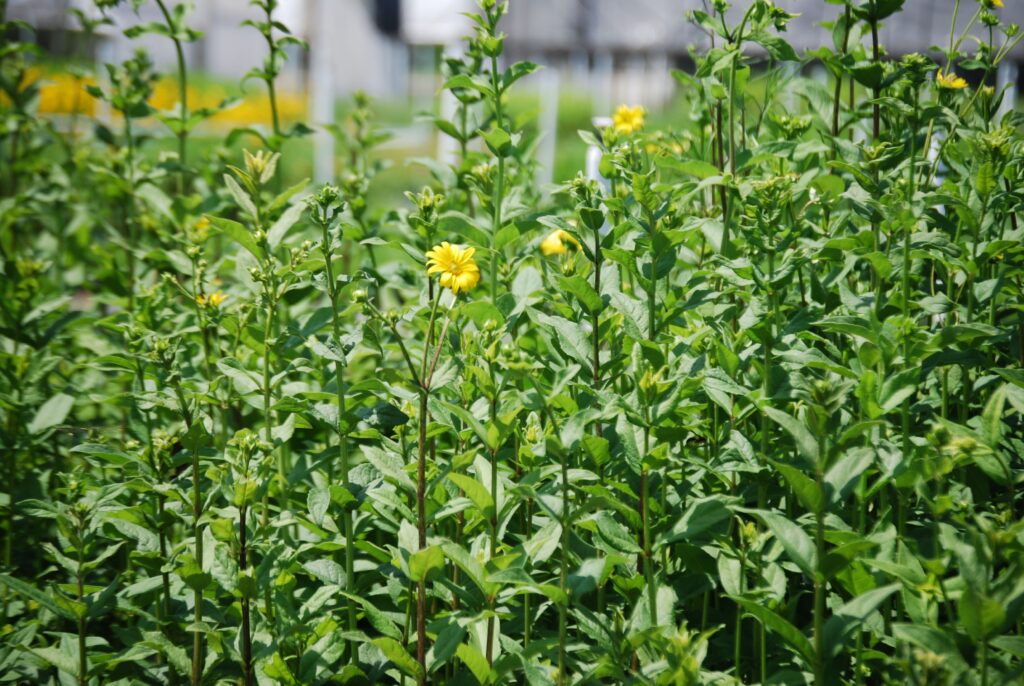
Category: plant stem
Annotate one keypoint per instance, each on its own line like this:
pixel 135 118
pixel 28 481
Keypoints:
pixel 197 611
pixel 271 74
pixel 243 566
pixel 819 577
pixel 83 662
pixel 499 181
pixel 901 514
pixel 182 94
pixel 342 427
pixel 723 191
pixel 876 111
pixel 837 97
pixel 421 520
pixel 268 433
pixel 563 606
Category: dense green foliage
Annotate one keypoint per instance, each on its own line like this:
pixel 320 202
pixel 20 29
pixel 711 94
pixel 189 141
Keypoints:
pixel 748 413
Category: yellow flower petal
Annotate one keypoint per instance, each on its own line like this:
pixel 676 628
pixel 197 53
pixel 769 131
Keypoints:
pixel 455 265
pixel 555 243
pixel 950 81
pixel 627 120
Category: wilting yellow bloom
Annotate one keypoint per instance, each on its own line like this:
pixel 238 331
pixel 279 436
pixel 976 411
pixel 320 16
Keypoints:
pixel 455 265
pixel 555 242
pixel 627 120
pixel 213 300
pixel 995 3
pixel 950 81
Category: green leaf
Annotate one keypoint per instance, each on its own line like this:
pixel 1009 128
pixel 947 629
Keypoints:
pixel 51 413
pixel 841 625
pixel 475 491
pixel 806 444
pixel 284 223
pixel 778 48
pixel 544 543
pixel 992 418
pixel 176 655
pixel 240 196
pixel 327 571
pixel 239 234
pixel 422 562
pixel 476 662
pixel 868 74
pixel 317 502
pixel 897 388
pixel 377 619
pixel 396 652
pixel 981 615
pixel 570 338
pixel 63 661
pixel 934 640
pixel 498 141
pixel 448 641
pixel 777 624
pixel 703 519
pixel 805 488
pixel 584 292
pixel 698 168
pixel 795 541
pixel 33 593
pixel 244 381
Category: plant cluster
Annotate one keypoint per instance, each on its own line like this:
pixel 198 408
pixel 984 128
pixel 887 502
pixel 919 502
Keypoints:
pixel 747 409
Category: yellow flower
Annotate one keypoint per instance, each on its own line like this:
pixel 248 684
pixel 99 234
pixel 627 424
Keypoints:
pixel 455 265
pixel 950 81
pixel 627 120
pixel 996 3
pixel 213 300
pixel 555 242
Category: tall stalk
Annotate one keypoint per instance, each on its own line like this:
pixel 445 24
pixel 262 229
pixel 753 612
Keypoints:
pixel 243 566
pixel 837 96
pixel 499 181
pixel 183 114
pixel 901 514
pixel 819 578
pixel 193 448
pixel 83 659
pixel 876 107
pixel 325 200
pixel 563 577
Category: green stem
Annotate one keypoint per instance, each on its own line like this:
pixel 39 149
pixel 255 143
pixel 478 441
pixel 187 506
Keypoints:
pixel 197 597
pixel 819 577
pixel 901 514
pixel 499 181
pixel 876 112
pixel 339 374
pixel 837 97
pixel 182 94
pixel 243 566
pixel 271 74
pixel 83 662
pixel 563 606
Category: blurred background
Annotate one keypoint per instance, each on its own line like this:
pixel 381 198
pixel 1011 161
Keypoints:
pixel 596 54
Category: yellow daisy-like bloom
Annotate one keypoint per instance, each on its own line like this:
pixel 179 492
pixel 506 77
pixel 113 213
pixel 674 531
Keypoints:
pixel 213 300
pixel 996 4
pixel 627 120
pixel 455 265
pixel 556 243
pixel 950 81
